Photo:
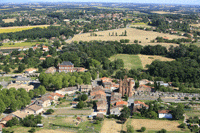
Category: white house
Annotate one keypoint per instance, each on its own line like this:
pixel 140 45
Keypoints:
pixel 164 114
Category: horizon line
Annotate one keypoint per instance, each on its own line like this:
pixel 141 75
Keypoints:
pixel 96 2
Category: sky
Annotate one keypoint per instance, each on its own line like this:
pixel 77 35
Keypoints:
pixel 187 2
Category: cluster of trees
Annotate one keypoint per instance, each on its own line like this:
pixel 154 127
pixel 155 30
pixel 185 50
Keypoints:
pixel 28 121
pixel 184 69
pixel 195 119
pixel 178 41
pixel 61 80
pixel 51 31
pixel 13 99
pixel 124 40
pixel 81 99
pixel 152 111
pixel 163 25
pixel 24 22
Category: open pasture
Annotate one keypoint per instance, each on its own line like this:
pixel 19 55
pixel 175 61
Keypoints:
pixel 130 61
pixel 155 124
pixel 132 34
pixel 112 126
pixel 148 59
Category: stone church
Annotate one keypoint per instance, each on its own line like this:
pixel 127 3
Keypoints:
pixel 126 86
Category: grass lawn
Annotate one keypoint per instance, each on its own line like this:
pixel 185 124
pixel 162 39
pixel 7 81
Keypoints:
pixel 23 44
pixel 130 61
pixel 68 124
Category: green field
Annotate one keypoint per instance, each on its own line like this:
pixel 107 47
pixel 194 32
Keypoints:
pixel 23 44
pixel 130 61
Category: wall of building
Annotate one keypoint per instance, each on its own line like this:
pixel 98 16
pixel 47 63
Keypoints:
pixel 168 116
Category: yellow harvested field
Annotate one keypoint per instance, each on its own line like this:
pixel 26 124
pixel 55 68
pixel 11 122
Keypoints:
pixel 9 20
pixel 111 126
pixel 132 34
pixel 155 124
pixel 19 28
pixel 148 59
pixel 52 131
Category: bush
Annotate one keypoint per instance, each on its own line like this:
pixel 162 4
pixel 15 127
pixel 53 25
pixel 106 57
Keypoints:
pixel 194 98
pixel 130 129
pixel 162 131
pixel 183 125
pixel 32 130
pixel 143 129
pixel 50 111
pixel 12 122
pixel 80 105
pixel 186 98
pixel 122 41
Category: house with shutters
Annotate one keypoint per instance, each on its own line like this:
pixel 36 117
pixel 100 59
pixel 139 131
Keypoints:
pixel 66 66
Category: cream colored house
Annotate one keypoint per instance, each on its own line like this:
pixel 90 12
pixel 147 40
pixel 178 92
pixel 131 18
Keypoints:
pixel 34 109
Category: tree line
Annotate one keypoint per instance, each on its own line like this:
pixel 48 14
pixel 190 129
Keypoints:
pixel 12 99
pixel 51 31
pixel 61 80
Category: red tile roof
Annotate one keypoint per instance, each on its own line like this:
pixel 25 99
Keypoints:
pixel 42 58
pixel 48 56
pixel 121 103
pixel 59 95
pixel 139 102
pixel 7 118
pixel 163 111
pixel 50 98
pixel 2 125
pixel 45 46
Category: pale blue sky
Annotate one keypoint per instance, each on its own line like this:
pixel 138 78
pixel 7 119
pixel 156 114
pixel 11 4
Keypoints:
pixel 190 2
